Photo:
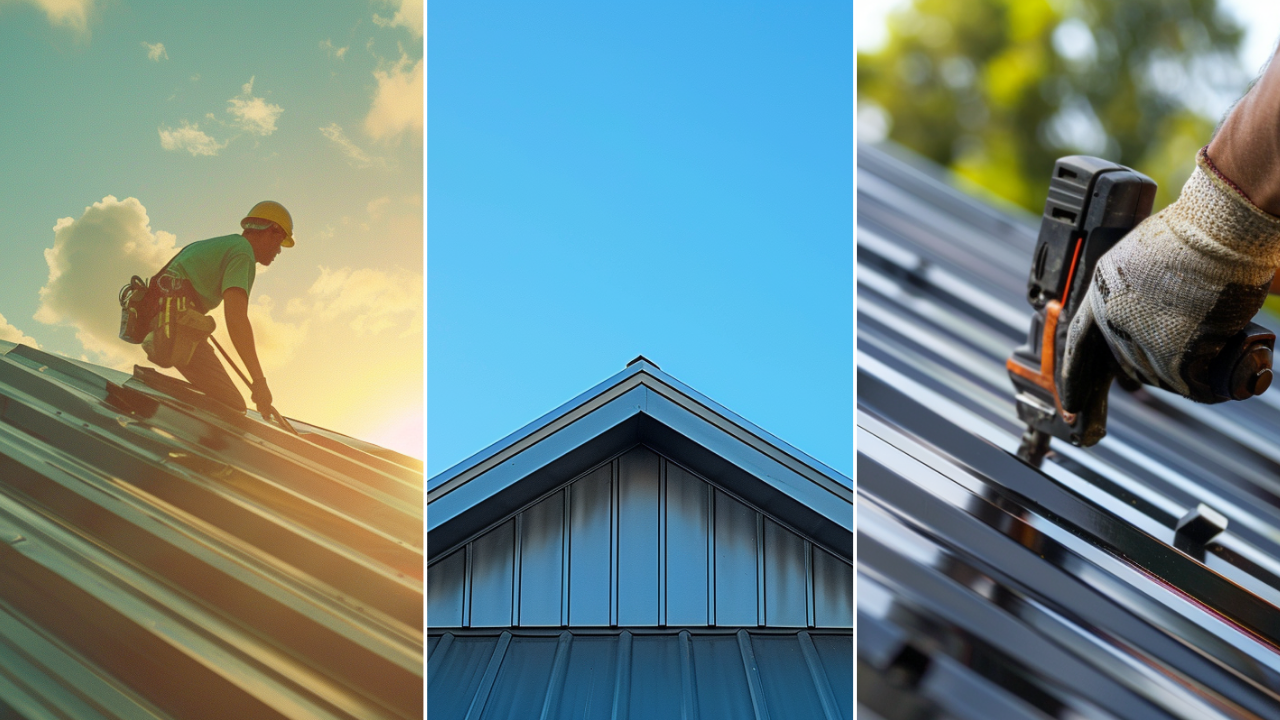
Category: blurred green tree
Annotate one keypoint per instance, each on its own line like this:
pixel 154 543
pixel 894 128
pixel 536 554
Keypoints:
pixel 998 89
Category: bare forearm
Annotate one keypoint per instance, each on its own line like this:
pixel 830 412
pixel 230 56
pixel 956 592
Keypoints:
pixel 1246 148
pixel 241 333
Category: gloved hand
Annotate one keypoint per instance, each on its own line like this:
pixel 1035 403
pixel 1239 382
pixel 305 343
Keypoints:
pixel 1169 295
pixel 261 394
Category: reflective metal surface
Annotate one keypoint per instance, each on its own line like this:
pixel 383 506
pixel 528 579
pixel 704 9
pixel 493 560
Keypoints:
pixel 729 675
pixel 159 558
pixel 987 588
pixel 642 542
pixel 640 553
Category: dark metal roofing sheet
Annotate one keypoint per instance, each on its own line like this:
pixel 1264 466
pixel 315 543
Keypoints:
pixel 803 675
pixel 987 588
pixel 162 557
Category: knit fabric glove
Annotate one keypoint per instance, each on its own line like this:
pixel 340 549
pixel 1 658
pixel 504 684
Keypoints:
pixel 1169 295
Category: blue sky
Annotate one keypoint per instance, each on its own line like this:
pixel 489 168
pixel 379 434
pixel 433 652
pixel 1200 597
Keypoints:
pixel 666 179
pixel 130 128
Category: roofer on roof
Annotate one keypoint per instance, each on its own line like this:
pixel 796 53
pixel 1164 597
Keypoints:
pixel 1168 296
pixel 203 275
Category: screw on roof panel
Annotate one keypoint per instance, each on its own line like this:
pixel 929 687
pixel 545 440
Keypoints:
pixel 641 358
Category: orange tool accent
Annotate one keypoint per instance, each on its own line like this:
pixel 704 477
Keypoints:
pixel 1044 378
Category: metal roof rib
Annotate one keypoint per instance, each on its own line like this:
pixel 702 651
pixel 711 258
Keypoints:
pixel 198 564
pixel 988 588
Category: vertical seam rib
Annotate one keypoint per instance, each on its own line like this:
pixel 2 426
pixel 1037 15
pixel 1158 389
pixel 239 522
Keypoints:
pixel 809 609
pixel 555 684
pixel 761 614
pixel 662 541
pixel 438 655
pixel 516 553
pixel 753 676
pixel 819 677
pixel 615 505
pixel 688 691
pixel 466 590
pixel 711 556
pixel 490 675
pixel 566 550
pixel 622 679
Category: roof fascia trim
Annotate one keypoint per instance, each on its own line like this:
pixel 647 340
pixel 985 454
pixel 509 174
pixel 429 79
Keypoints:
pixel 818 505
pixel 540 428
pixel 641 373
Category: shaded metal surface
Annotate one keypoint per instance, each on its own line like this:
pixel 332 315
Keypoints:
pixel 641 405
pixel 160 557
pixel 729 675
pixel 640 542
pixel 640 553
pixel 987 588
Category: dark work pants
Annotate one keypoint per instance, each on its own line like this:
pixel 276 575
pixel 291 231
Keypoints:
pixel 205 371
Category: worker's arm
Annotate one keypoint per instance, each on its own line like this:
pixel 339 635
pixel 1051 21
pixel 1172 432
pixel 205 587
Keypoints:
pixel 1168 296
pixel 235 302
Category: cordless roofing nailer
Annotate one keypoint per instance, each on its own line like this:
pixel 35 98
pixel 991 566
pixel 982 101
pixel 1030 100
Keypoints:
pixel 1092 204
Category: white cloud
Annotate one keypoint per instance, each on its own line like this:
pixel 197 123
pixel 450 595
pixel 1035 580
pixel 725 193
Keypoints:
pixel 253 113
pixel 338 52
pixel 73 14
pixel 398 102
pixel 368 301
pixel 191 138
pixel 13 334
pixel 408 15
pixel 156 51
pixel 377 207
pixel 355 155
pixel 91 258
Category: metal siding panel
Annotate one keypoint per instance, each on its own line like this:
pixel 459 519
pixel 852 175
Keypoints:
pixel 445 581
pixel 451 689
pixel 431 644
pixel 521 686
pixel 784 577
pixel 655 677
pixel 785 679
pixel 491 571
pixel 833 590
pixel 688 500
pixel 588 687
pixel 541 562
pixel 638 539
pixel 836 653
pixel 589 549
pixel 720 679
pixel 735 528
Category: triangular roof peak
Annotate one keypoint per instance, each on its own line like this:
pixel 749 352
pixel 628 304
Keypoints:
pixel 640 405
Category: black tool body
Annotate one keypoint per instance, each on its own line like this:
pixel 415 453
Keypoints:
pixel 1092 204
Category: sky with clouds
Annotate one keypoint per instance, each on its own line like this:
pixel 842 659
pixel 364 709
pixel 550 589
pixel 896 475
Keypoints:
pixel 131 128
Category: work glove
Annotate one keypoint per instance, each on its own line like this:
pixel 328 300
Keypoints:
pixel 260 394
pixel 1168 296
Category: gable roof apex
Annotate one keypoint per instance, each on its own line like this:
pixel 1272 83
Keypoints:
pixel 640 405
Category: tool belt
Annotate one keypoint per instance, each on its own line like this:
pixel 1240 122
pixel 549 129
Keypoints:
pixel 177 326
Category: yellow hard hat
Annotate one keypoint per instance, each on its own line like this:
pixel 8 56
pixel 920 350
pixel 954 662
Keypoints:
pixel 273 212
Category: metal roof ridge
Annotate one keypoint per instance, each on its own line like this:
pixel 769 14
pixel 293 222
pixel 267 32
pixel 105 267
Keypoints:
pixel 640 367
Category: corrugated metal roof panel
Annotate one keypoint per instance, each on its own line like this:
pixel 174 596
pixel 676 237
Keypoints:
pixel 989 588
pixel 160 556
pixel 576 675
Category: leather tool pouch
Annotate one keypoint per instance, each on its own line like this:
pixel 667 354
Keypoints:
pixel 178 327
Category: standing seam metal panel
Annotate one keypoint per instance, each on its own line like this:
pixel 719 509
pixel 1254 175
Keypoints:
pixel 641 542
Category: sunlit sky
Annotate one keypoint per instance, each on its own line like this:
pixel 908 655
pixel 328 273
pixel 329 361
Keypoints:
pixel 133 127
pixel 669 179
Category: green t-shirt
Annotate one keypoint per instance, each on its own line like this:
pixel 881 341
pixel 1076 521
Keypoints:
pixel 213 265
